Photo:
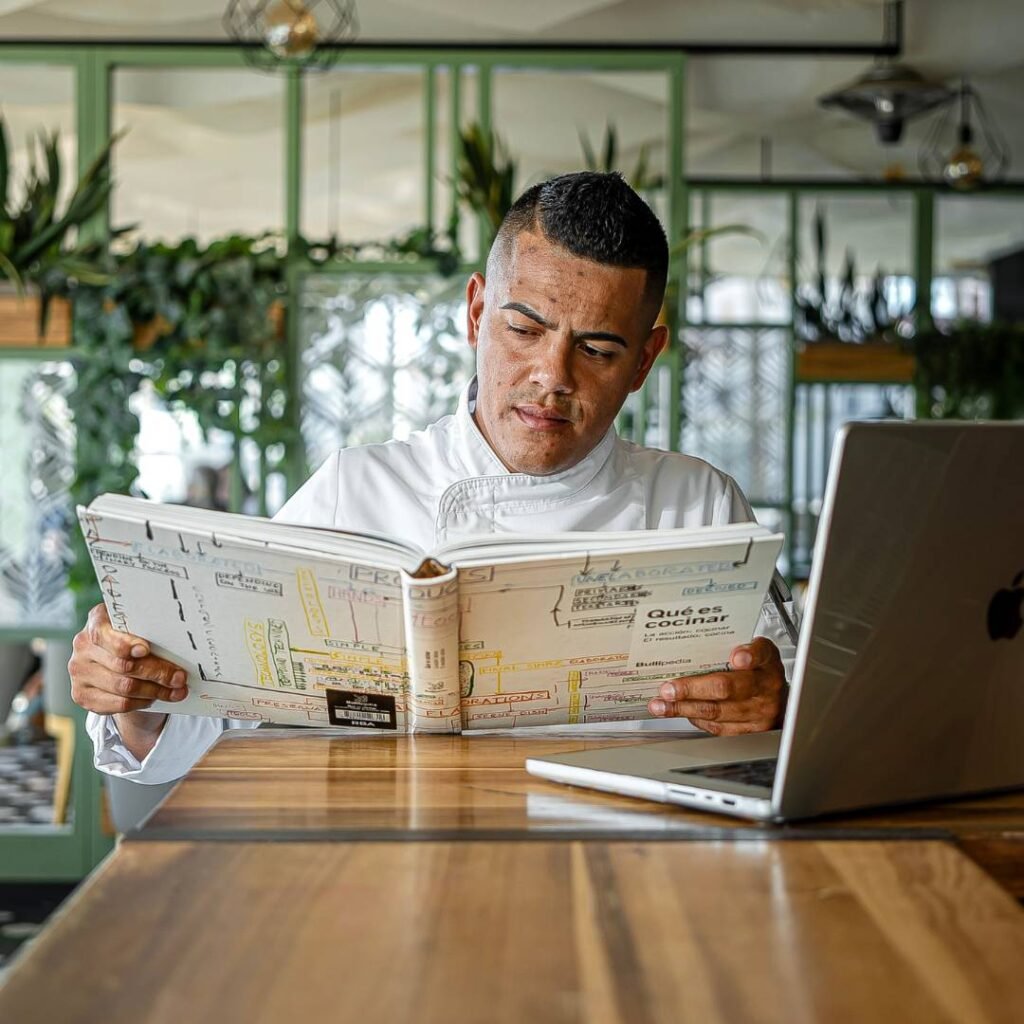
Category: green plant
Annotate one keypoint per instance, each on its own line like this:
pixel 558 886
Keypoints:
pixel 203 325
pixel 970 371
pixel 641 178
pixel 36 236
pixel 849 313
pixel 485 175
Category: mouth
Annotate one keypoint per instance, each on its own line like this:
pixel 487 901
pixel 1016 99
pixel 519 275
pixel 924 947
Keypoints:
pixel 536 417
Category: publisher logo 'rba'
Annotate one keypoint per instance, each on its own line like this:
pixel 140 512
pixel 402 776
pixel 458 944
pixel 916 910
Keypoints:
pixel 1004 618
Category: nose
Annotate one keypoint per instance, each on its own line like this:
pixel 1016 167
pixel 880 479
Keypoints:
pixel 552 369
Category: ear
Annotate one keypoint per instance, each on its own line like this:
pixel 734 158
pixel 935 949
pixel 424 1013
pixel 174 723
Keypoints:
pixel 474 308
pixel 656 341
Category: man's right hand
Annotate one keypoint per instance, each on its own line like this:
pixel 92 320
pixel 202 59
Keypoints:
pixel 114 673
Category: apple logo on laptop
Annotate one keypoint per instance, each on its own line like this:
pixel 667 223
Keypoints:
pixel 1004 619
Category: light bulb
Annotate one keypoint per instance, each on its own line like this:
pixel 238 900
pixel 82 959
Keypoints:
pixel 290 30
pixel 964 169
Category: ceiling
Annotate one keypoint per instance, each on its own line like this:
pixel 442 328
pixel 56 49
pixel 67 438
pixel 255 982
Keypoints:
pixel 196 157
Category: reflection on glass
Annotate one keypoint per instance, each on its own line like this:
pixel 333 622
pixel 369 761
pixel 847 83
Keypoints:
pixel 37 440
pixel 382 355
pixel 734 398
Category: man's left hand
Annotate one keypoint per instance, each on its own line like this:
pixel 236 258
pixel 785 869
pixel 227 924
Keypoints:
pixel 750 698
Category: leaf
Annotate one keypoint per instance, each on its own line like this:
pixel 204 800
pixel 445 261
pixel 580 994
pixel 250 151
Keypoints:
pixel 588 152
pixel 702 234
pixel 611 146
pixel 11 273
pixel 819 241
pixel 639 177
pixel 53 164
pixel 5 166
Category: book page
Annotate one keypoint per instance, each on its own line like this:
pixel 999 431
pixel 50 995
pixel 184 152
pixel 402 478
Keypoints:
pixel 266 634
pixel 589 639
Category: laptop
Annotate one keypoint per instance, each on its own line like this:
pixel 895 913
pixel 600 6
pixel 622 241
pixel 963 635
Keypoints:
pixel 909 676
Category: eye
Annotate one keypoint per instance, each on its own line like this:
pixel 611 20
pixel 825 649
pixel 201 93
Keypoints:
pixel 521 331
pixel 600 352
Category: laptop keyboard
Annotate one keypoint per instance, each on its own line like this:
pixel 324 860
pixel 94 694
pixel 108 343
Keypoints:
pixel 750 773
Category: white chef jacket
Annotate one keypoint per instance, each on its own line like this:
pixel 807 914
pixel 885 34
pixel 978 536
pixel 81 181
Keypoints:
pixel 444 483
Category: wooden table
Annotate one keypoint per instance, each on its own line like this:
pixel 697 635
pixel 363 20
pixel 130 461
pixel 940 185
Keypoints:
pixel 277 883
pixel 275 784
pixel 541 931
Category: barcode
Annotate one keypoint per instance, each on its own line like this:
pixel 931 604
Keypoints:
pixel 364 716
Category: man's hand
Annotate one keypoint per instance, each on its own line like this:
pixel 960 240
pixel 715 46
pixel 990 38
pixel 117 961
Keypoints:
pixel 114 673
pixel 750 698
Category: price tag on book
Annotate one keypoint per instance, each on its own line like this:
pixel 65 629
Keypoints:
pixel 364 710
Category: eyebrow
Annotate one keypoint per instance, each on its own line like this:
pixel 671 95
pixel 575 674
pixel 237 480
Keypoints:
pixel 532 314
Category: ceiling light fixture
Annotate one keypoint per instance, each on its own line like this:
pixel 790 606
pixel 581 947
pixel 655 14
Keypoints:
pixel 291 33
pixel 888 95
pixel 974 158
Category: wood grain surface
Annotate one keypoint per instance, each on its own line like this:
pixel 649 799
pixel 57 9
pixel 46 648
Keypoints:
pixel 292 784
pixel 492 932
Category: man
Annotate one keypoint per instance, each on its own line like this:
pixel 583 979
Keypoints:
pixel 564 328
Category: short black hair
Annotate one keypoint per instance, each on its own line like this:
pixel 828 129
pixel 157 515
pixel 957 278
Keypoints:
pixel 597 217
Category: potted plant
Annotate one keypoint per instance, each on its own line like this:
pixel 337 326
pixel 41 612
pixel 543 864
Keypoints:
pixel 971 370
pixel 39 242
pixel 485 175
pixel 851 333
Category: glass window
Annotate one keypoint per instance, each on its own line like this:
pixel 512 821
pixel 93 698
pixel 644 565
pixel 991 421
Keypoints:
pixel 870 234
pixel 579 104
pixel 741 275
pixel 979 258
pixel 37 439
pixel 734 406
pixel 382 355
pixel 34 100
pixel 363 153
pixel 204 153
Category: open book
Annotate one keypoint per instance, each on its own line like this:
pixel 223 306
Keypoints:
pixel 304 626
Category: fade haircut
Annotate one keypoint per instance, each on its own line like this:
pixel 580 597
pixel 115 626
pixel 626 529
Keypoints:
pixel 594 216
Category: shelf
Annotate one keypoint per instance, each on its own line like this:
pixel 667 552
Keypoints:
pixel 834 362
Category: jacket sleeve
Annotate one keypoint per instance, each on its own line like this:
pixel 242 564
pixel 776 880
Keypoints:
pixel 185 738
pixel 182 741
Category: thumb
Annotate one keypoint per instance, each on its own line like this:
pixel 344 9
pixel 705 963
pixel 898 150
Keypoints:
pixel 757 654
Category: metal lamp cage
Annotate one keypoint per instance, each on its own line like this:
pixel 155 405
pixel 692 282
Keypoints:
pixel 252 23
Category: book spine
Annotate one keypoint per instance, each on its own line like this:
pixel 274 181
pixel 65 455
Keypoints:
pixel 431 610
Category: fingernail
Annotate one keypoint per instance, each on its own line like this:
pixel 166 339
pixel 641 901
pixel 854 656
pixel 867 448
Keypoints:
pixel 668 691
pixel 138 651
pixel 179 694
pixel 743 660
pixel 178 679
pixel 657 707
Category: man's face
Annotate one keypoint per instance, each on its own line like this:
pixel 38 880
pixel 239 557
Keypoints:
pixel 560 342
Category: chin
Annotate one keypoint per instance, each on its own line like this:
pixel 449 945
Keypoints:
pixel 543 467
